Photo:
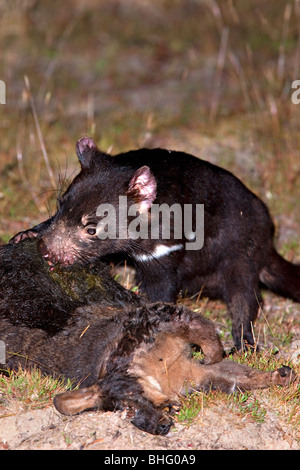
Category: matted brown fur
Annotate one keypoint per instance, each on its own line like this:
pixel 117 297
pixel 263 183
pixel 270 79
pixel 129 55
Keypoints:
pixel 125 352
pixel 160 369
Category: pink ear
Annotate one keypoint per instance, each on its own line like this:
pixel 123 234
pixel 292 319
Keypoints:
pixel 142 187
pixel 83 150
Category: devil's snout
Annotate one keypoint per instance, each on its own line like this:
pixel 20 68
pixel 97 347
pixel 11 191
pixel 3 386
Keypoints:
pixel 43 249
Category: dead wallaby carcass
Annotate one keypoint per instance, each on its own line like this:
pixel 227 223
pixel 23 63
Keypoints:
pixel 124 352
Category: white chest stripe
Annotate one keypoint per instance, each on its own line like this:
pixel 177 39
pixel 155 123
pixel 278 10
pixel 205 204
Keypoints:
pixel 160 250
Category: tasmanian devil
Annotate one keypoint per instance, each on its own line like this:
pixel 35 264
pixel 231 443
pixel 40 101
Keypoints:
pixel 188 226
pixel 123 351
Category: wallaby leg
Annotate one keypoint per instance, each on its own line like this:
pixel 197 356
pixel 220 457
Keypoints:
pixel 195 329
pixel 229 376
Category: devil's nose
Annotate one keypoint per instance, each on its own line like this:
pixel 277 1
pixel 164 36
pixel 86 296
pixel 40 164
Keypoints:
pixel 42 247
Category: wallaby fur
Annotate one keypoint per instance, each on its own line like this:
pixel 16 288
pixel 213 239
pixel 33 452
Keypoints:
pixel 124 352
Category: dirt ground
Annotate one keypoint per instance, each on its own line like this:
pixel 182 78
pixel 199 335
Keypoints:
pixel 215 429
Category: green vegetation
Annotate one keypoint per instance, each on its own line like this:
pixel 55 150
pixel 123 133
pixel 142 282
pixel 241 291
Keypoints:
pixel 24 390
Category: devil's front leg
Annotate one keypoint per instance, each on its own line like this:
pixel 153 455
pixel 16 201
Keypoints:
pixel 159 283
pixel 33 232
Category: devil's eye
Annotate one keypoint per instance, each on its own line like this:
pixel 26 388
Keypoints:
pixel 91 231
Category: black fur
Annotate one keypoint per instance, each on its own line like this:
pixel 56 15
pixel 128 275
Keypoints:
pixel 36 295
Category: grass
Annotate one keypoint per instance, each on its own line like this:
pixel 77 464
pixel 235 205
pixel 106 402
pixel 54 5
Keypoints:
pixel 275 338
pixel 241 404
pixel 25 390
pixel 255 405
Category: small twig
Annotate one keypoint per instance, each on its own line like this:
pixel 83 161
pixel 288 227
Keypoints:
pixel 285 28
pixel 39 132
pixel 234 60
pixel 218 76
pixel 84 331
pixel 167 372
pixel 297 51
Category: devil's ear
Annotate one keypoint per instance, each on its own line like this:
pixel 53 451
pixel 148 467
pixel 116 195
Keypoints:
pixel 84 149
pixel 142 188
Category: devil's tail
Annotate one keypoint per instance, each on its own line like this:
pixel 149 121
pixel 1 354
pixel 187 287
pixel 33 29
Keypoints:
pixel 282 277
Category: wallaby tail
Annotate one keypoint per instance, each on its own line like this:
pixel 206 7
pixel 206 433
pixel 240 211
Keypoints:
pixel 281 277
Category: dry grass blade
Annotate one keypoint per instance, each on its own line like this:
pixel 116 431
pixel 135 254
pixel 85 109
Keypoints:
pixel 39 132
pixel 282 56
pixel 218 77
pixel 26 390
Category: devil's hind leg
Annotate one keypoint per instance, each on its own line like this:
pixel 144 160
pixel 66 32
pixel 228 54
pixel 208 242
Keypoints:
pixel 243 299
